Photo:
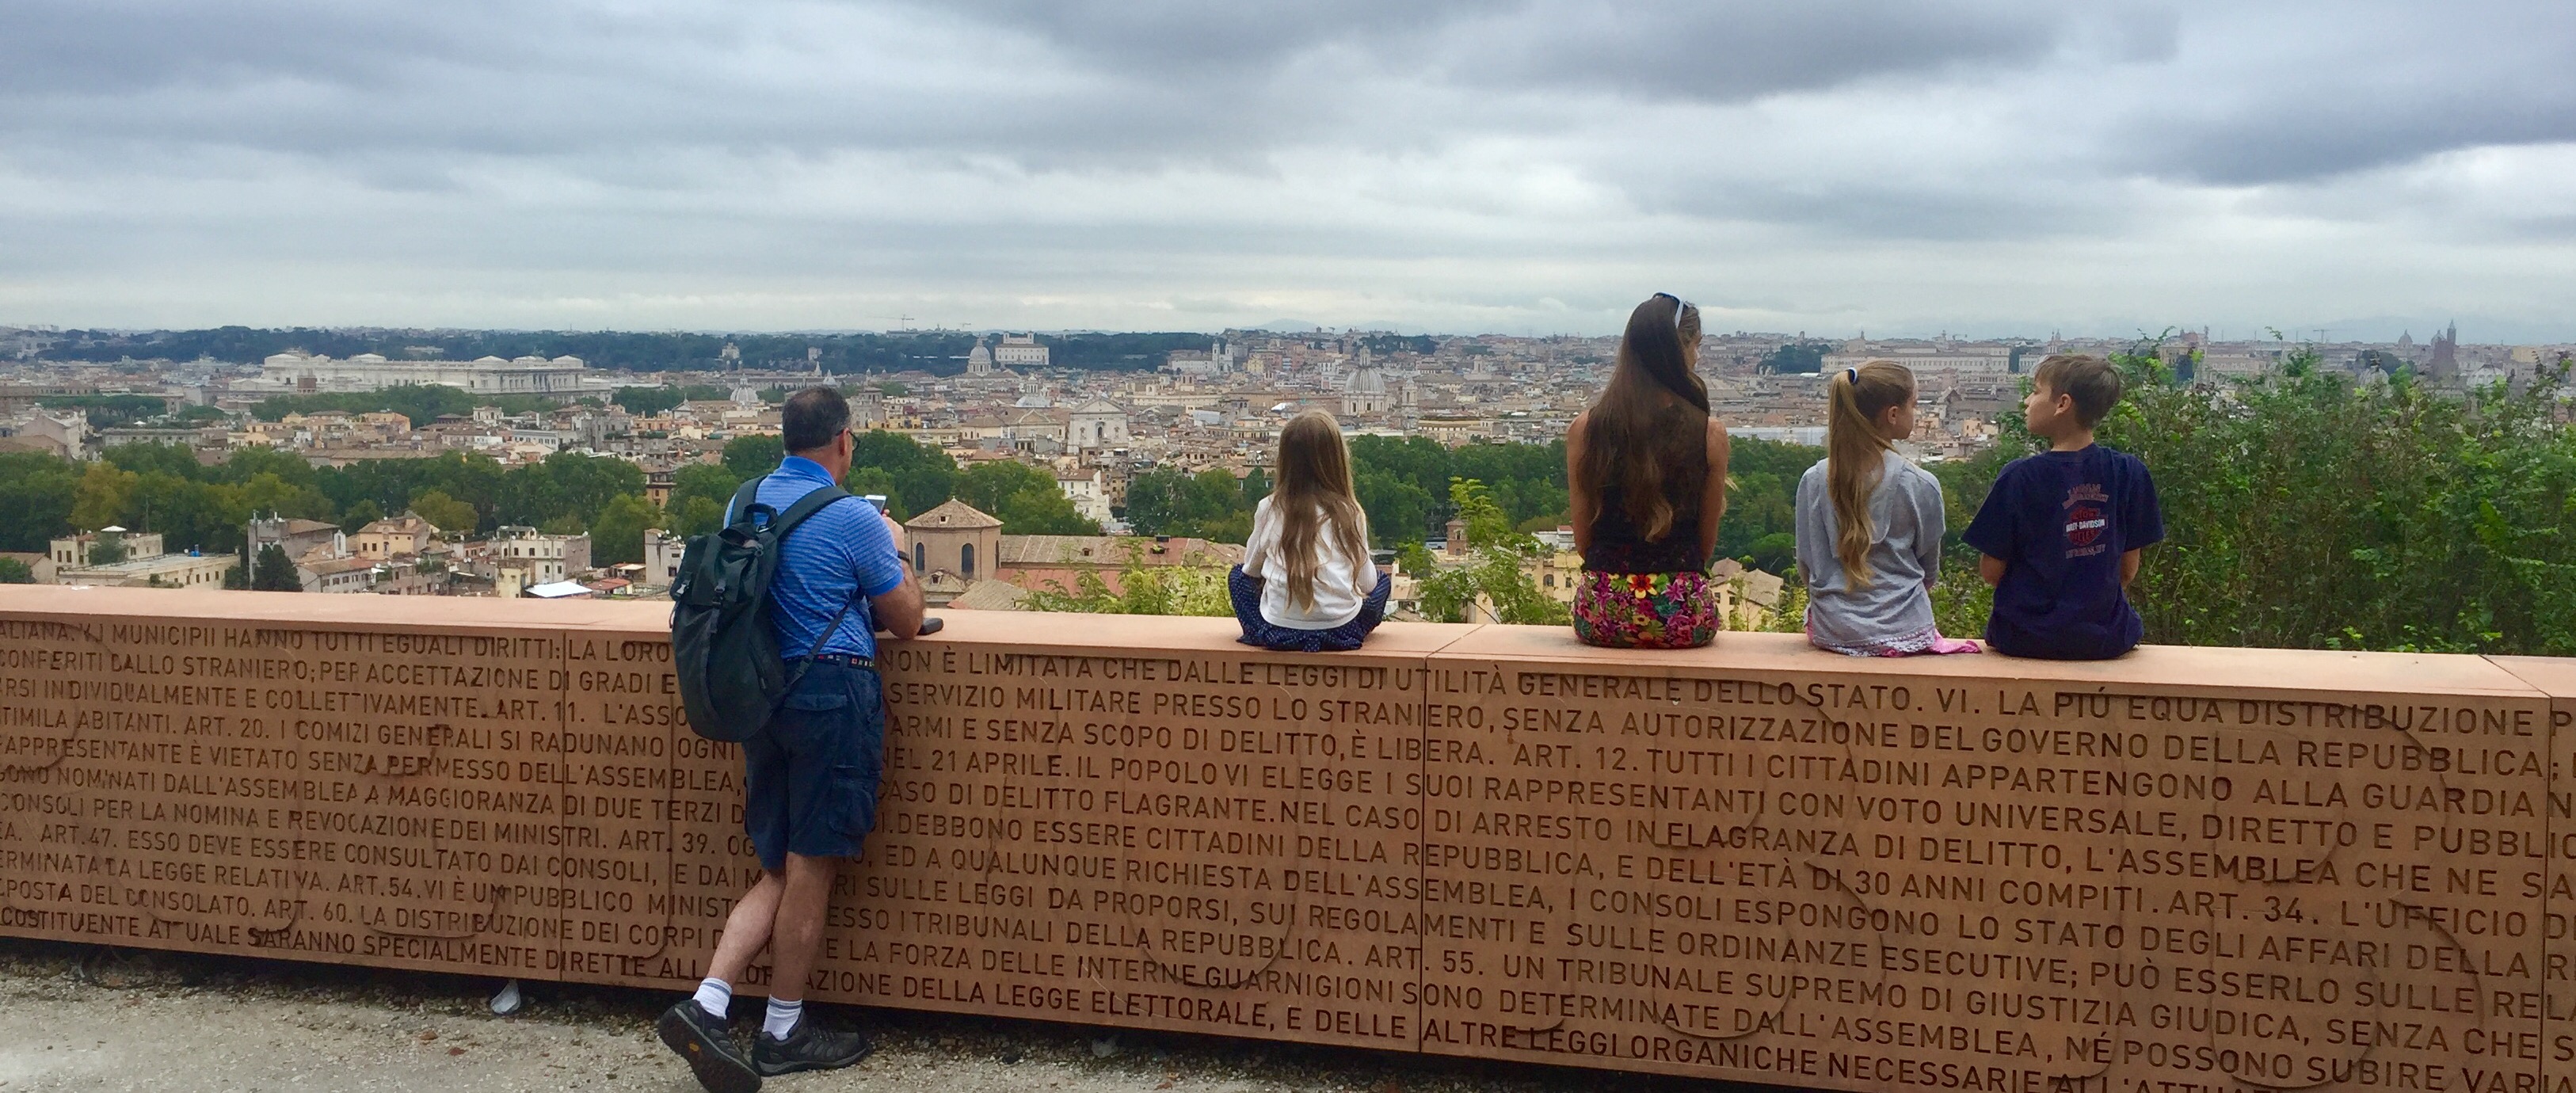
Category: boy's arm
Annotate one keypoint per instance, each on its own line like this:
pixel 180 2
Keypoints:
pixel 1992 531
pixel 2142 526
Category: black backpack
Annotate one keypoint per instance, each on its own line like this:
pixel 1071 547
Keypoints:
pixel 722 644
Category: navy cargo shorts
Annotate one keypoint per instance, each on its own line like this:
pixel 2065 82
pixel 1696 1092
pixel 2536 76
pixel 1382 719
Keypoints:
pixel 810 778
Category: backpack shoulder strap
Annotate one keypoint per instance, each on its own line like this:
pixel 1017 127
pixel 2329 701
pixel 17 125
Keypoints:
pixel 786 522
pixel 806 506
pixel 743 499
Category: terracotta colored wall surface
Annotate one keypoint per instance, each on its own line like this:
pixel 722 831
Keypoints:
pixel 2188 869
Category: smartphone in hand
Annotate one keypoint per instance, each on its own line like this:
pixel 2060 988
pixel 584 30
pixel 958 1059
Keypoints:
pixel 877 499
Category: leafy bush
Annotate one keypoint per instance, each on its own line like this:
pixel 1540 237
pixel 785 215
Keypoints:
pixel 1492 580
pixel 1142 590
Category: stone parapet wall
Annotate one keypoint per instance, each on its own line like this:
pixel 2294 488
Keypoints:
pixel 2191 868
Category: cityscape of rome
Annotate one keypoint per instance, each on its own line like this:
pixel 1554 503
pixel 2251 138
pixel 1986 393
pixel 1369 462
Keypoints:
pixel 1216 405
pixel 1458 546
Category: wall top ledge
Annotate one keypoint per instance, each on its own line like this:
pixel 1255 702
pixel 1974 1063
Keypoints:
pixel 358 612
pixel 2227 668
pixel 2160 665
pixel 2555 676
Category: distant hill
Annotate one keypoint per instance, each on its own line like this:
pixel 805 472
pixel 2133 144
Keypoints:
pixel 940 352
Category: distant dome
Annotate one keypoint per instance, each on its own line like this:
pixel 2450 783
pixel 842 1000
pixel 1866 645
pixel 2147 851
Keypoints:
pixel 368 358
pixel 568 361
pixel 529 359
pixel 285 358
pixel 1366 381
pixel 489 360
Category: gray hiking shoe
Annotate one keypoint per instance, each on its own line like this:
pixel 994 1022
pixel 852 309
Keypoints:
pixel 706 1041
pixel 808 1047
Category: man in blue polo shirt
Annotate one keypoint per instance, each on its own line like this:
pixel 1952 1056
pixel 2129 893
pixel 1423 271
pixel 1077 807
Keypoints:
pixel 810 778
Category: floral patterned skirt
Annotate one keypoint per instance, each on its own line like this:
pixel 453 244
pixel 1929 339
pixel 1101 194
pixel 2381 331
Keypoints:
pixel 1645 610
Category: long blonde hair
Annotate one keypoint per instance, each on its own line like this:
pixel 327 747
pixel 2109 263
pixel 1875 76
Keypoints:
pixel 1855 454
pixel 1314 485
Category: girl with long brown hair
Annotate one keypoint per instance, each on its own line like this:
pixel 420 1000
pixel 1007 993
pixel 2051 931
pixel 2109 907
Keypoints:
pixel 1646 473
pixel 1307 582
pixel 1870 523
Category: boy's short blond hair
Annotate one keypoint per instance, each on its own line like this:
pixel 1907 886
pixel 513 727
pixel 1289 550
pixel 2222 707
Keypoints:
pixel 2090 380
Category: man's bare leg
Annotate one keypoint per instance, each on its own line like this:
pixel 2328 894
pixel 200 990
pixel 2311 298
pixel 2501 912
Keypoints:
pixel 746 930
pixel 696 1028
pixel 796 930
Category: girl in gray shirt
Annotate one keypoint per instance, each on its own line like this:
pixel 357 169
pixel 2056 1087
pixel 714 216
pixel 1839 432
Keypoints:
pixel 1870 524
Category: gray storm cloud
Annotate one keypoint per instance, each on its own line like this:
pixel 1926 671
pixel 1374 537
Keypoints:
pixel 1155 163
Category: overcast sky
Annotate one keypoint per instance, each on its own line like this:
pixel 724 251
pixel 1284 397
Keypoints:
pixel 1895 166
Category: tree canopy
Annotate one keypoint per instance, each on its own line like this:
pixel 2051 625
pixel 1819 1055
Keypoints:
pixel 1795 358
pixel 1024 498
pixel 1492 580
pixel 110 411
pixel 273 571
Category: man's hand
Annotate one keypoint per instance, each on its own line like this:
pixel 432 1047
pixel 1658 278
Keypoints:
pixel 899 611
pixel 895 531
pixel 1990 569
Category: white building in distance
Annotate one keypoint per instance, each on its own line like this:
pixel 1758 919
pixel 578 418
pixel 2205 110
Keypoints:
pixel 1088 489
pixel 1097 423
pixel 1364 394
pixel 1020 351
pixel 663 551
pixel 531 375
pixel 1938 357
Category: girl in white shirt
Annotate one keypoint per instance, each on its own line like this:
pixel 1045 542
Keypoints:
pixel 1306 582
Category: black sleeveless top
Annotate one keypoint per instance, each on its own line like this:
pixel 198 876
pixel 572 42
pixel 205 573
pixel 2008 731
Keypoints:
pixel 1619 545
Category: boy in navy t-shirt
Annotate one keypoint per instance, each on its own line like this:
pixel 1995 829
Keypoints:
pixel 2061 529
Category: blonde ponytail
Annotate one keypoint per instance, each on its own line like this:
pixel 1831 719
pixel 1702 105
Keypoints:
pixel 1855 455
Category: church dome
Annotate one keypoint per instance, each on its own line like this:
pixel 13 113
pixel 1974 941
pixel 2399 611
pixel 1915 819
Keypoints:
pixel 1366 381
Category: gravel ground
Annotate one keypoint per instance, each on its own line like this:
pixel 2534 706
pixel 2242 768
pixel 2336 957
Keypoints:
pixel 81 1018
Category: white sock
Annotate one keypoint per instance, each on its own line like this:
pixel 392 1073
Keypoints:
pixel 782 1018
pixel 715 996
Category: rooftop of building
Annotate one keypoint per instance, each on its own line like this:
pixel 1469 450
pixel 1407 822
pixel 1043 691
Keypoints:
pixel 140 567
pixel 1035 551
pixel 953 515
